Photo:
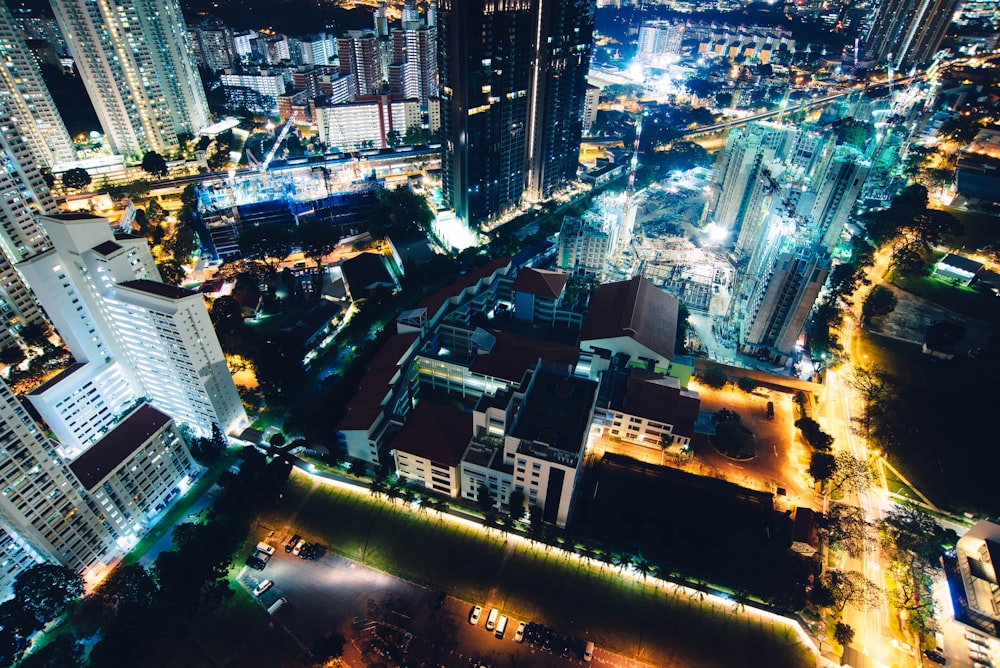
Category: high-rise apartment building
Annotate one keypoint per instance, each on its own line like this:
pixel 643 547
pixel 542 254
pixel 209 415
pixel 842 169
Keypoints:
pixel 136 60
pixel 511 101
pixel 23 197
pixel 360 59
pixel 836 193
pixel 45 513
pixel 213 45
pixel 778 306
pixel 905 33
pixel 413 71
pixel 103 294
pixel 24 93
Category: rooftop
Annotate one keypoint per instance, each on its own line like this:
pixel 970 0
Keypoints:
pixel 540 282
pixel 661 399
pixel 103 457
pixel 435 432
pixel 107 248
pixel 60 377
pixel 634 309
pixel 512 355
pixel 557 410
pixel 364 272
pixel 156 288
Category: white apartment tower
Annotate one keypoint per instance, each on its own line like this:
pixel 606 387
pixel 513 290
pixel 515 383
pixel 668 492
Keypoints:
pixel 838 190
pixel 45 514
pixel 23 197
pixel 27 98
pixel 104 295
pixel 136 60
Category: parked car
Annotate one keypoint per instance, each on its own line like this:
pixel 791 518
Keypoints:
pixel 263 587
pixel 255 562
pixel 519 634
pixel 936 657
pixel 476 613
pixel 290 545
pixel 298 547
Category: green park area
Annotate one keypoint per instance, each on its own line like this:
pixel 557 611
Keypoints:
pixel 582 597
pixel 943 439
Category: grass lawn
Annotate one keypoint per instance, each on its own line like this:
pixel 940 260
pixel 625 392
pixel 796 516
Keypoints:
pixel 581 599
pixel 945 408
pixel 962 299
pixel 897 486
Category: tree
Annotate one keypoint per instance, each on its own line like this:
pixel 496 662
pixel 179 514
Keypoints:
pixel 516 503
pixel 154 163
pixel 747 384
pixel 12 355
pixel 219 159
pixel 393 138
pixel 269 244
pixel 172 271
pixel 714 375
pixel 852 474
pixel 278 440
pixel 76 178
pixel 822 466
pixel 330 647
pixel 879 303
pixel 399 212
pixel 843 634
pixel 484 498
pixel 851 587
pixel 845 527
pixel 128 591
pixel 45 590
pixel 227 315
pixel 813 434
pixel 61 651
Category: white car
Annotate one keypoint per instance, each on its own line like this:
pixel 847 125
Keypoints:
pixel 476 613
pixel 263 587
pixel 519 634
pixel 298 546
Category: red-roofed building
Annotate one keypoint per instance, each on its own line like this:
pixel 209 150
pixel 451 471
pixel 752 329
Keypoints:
pixel 428 448
pixel 537 294
pixel 633 318
pixel 654 412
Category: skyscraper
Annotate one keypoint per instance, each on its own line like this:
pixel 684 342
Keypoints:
pixel 558 93
pixel 23 197
pixel 908 32
pixel 24 93
pixel 512 87
pixel 136 60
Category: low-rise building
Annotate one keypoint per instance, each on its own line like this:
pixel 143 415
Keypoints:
pixel 537 294
pixel 978 554
pixel 428 447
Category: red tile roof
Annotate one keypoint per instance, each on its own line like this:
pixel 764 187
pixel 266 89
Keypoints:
pixel 540 282
pixel 435 432
pixel 434 303
pixel 117 445
pixel 512 355
pixel 662 400
pixel 635 309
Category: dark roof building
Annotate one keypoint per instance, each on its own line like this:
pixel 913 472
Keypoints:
pixel 364 273
pixel 117 445
pixel 632 317
pixel 540 282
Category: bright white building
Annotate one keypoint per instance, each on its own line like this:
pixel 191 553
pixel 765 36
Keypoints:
pixel 137 63
pixel 136 469
pixel 45 513
pixel 27 98
pixel 103 295
pixel 366 122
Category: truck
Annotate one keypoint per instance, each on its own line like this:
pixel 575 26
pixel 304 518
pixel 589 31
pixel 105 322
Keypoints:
pixel 501 627
pixel 491 621
pixel 265 548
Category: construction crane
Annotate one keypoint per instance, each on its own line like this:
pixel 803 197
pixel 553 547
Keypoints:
pixel 285 129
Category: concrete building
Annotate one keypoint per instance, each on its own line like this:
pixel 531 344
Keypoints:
pixel 358 55
pixel 213 46
pixel 27 100
pixel 978 553
pixel 591 100
pixel 23 197
pixel 413 70
pixel 366 122
pixel 836 193
pixel 631 319
pixel 103 295
pixel 531 439
pixel 537 294
pixel 512 102
pixel 45 513
pixel 776 311
pixel 429 446
pixel 136 470
pixel 646 410
pixel 583 247
pixel 136 61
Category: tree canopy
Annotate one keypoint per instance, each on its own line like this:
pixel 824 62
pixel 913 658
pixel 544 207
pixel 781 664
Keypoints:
pixel 76 178
pixel 714 375
pixel 154 163
pixel 400 212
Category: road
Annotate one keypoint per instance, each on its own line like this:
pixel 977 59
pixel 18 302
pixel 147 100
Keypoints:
pixel 841 413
